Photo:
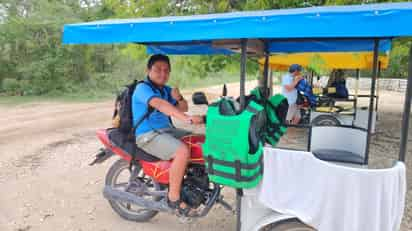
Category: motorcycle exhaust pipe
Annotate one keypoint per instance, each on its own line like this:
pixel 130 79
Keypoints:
pixel 113 194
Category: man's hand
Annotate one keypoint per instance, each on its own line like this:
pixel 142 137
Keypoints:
pixel 298 78
pixel 181 102
pixel 197 119
pixel 291 86
pixel 176 95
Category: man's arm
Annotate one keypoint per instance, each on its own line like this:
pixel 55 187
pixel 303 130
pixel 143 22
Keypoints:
pixel 182 105
pixel 290 87
pixel 144 94
pixel 168 109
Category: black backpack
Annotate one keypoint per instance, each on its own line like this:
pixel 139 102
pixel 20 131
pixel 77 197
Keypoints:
pixel 123 135
pixel 123 109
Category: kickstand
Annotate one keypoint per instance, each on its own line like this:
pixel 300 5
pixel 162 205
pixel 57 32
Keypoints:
pixel 225 205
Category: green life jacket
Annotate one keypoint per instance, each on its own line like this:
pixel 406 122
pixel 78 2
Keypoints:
pixel 232 149
pixel 276 108
pixel 276 111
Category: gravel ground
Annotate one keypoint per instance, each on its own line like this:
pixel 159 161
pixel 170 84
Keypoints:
pixel 46 183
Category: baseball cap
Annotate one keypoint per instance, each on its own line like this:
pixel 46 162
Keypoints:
pixel 295 67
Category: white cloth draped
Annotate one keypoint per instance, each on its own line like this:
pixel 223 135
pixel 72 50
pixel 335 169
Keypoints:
pixel 332 197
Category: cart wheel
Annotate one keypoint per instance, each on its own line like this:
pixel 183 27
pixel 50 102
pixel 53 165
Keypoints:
pixel 325 120
pixel 288 225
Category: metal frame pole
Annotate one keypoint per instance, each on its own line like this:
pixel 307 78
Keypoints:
pixel 355 103
pixel 312 74
pixel 243 72
pixel 406 112
pixel 266 75
pixel 270 82
pixel 309 144
pixel 377 88
pixel 371 98
pixel 243 59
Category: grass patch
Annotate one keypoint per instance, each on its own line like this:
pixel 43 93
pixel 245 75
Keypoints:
pixel 67 98
pixel 95 95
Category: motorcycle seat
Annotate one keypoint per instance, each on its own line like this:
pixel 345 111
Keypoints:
pixel 122 140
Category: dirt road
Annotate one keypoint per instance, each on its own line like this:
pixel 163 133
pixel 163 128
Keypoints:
pixel 46 183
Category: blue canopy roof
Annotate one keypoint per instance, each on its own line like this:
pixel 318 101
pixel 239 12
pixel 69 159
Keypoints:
pixel 195 34
pixel 277 47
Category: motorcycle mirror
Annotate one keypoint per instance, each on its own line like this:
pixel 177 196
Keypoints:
pixel 224 93
pixel 199 98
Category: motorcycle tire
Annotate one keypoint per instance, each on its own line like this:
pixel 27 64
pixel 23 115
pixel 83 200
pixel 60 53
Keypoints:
pixel 124 211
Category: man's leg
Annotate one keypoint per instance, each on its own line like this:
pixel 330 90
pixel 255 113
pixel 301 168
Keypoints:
pixel 178 167
pixel 291 114
pixel 166 146
pixel 177 171
pixel 296 120
pixel 296 117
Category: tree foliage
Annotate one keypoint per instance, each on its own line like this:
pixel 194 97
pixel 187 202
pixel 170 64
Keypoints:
pixel 33 61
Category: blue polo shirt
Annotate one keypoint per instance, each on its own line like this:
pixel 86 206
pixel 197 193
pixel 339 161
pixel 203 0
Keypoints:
pixel 143 93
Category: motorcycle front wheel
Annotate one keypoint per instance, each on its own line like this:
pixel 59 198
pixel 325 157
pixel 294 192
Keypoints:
pixel 118 177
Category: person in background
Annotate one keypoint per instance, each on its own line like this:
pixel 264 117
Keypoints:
pixel 337 80
pixel 289 82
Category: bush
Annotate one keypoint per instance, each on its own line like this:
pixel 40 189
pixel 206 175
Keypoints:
pixel 12 87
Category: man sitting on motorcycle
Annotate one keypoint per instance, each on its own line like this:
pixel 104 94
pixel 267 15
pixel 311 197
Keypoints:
pixel 155 134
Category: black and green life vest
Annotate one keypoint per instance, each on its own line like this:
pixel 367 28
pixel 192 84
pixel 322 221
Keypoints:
pixel 276 108
pixel 233 148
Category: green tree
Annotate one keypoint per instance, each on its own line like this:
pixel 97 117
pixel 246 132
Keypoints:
pixel 33 60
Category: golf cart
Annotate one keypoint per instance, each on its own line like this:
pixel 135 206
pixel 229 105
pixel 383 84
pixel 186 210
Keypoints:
pixel 335 111
pixel 263 33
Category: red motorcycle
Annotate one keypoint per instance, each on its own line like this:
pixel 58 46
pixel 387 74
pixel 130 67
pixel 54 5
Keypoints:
pixel 138 192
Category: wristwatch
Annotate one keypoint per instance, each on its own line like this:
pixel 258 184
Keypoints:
pixel 180 99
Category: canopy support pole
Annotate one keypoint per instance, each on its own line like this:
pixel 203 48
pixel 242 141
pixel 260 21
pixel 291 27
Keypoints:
pixel 406 112
pixel 265 86
pixel 270 82
pixel 312 74
pixel 377 88
pixel 243 59
pixel 372 98
pixel 355 104
pixel 264 79
pixel 243 72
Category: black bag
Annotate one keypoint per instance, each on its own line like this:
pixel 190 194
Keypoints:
pixel 301 99
pixel 123 136
pixel 123 108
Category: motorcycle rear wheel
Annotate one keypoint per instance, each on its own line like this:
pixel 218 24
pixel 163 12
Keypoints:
pixel 122 209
